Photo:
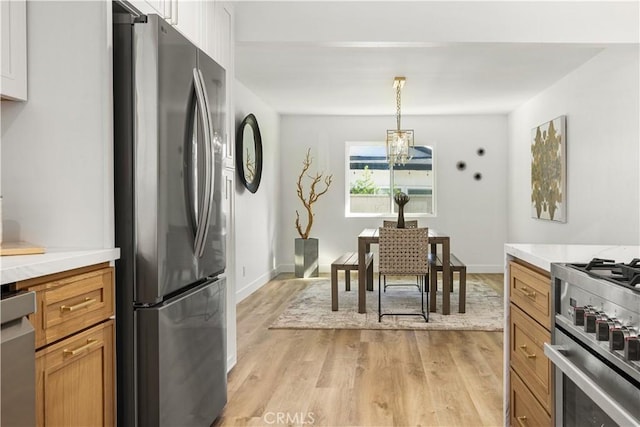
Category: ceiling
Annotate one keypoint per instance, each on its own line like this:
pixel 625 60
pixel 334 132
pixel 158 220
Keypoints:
pixel 340 58
pixel 455 79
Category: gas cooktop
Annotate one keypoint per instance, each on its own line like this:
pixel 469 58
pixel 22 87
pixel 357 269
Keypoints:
pixel 627 275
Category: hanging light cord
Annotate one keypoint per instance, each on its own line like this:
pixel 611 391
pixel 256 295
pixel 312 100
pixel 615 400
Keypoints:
pixel 398 106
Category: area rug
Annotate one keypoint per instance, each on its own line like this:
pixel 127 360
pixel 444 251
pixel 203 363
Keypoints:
pixel 311 309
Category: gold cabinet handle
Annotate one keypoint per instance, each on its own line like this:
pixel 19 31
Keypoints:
pixel 526 292
pixel 522 420
pixel 523 348
pixel 86 303
pixel 90 342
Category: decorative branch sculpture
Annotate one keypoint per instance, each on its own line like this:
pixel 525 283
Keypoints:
pixel 250 167
pixel 313 196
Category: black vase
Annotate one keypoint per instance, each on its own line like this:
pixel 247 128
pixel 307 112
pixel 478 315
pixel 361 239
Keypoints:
pixel 401 199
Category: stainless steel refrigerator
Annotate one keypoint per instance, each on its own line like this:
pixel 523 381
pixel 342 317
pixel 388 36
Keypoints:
pixel 170 227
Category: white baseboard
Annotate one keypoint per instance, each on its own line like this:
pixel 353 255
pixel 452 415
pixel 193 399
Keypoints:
pixel 231 362
pixel 485 269
pixel 250 288
pixel 290 268
pixel 478 268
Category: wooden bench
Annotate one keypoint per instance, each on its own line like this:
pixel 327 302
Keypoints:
pixel 456 266
pixel 347 262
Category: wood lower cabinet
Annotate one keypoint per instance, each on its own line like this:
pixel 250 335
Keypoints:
pixel 531 291
pixel 68 304
pixel 74 347
pixel 531 393
pixel 527 355
pixel 75 379
pixel 525 409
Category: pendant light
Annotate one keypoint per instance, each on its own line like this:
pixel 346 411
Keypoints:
pixel 399 141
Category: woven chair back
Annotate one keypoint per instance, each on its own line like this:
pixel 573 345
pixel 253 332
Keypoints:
pixel 394 224
pixel 403 251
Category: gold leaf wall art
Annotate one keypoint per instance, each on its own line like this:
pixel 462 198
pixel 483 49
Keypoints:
pixel 548 171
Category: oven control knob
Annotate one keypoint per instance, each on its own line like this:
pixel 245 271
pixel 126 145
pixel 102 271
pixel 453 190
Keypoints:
pixel 603 325
pixel 590 321
pixel 578 316
pixel 632 348
pixel 617 335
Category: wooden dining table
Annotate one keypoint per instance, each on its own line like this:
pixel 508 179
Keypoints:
pixel 370 236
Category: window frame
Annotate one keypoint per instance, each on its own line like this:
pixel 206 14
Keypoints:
pixel 391 213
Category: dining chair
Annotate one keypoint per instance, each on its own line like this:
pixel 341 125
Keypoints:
pixel 403 252
pixel 407 224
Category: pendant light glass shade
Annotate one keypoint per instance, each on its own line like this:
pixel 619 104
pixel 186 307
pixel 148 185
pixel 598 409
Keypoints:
pixel 399 141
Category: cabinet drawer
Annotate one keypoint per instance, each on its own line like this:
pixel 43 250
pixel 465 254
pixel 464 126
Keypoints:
pixel 75 379
pixel 527 355
pixel 72 303
pixel 530 290
pixel 525 409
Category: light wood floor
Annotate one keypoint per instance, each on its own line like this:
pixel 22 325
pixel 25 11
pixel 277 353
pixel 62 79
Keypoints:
pixel 360 377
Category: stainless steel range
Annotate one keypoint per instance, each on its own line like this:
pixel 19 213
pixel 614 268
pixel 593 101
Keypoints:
pixel 595 343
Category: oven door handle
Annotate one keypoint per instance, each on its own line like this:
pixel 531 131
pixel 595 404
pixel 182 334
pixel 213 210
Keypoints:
pixel 588 386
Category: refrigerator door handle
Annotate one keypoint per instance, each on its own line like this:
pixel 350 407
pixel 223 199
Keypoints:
pixel 203 214
pixel 209 160
pixel 191 180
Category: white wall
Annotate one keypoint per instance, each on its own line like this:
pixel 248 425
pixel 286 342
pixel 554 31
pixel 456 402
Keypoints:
pixel 57 158
pixel 472 212
pixel 601 102
pixel 257 230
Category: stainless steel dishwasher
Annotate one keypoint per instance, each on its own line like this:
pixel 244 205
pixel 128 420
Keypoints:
pixel 17 359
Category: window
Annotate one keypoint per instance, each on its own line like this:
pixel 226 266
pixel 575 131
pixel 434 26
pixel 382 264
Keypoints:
pixel 371 182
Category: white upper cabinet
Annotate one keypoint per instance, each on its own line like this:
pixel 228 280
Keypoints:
pixel 150 6
pixel 185 15
pixel 157 6
pixel 209 29
pixel 13 15
pixel 217 34
pixel 218 40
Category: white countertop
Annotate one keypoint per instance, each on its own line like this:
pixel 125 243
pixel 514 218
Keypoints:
pixel 543 255
pixel 23 267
